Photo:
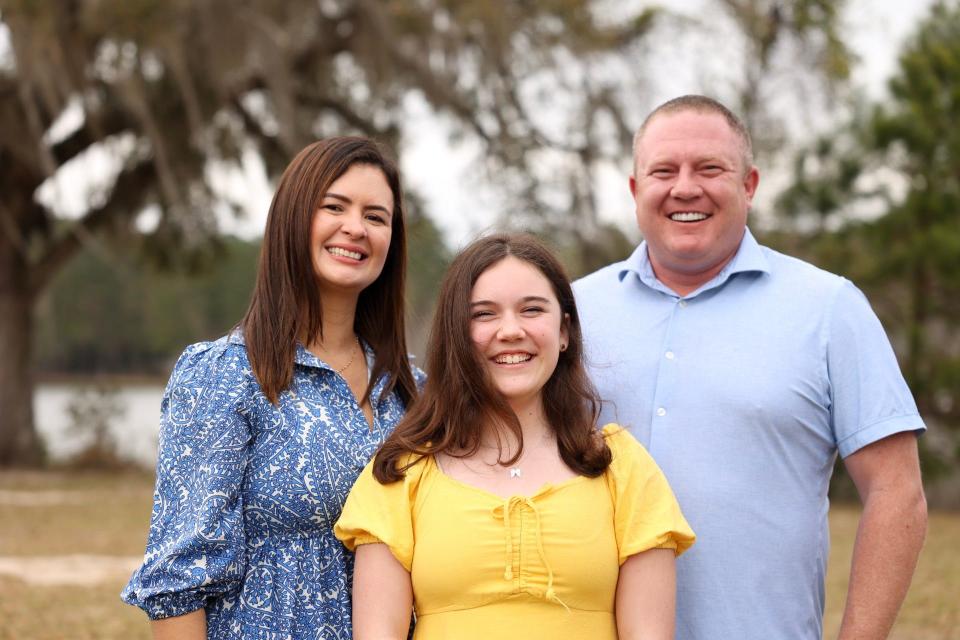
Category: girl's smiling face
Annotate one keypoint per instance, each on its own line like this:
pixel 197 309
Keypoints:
pixel 518 329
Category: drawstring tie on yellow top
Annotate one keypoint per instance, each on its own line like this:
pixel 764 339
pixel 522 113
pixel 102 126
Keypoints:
pixel 507 507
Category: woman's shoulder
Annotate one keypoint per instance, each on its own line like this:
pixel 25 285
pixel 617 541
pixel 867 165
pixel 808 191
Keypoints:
pixel 221 361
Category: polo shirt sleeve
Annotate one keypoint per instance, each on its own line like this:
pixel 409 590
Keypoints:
pixel 869 398
pixel 646 513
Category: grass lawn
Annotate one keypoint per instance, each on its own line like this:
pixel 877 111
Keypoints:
pixel 54 514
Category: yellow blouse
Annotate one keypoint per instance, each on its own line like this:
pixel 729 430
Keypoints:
pixel 539 566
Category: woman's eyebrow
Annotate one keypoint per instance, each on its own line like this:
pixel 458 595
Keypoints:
pixel 345 199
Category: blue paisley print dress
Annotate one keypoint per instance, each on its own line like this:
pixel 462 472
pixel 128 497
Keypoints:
pixel 247 494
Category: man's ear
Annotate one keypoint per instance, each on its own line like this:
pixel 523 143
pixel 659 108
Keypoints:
pixel 750 183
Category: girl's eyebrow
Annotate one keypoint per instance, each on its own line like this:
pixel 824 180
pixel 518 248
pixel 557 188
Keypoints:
pixel 476 303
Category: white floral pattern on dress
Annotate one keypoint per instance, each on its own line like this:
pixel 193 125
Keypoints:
pixel 247 494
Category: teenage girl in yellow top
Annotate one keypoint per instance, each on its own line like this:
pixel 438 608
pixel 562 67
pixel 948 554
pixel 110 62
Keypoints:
pixel 496 508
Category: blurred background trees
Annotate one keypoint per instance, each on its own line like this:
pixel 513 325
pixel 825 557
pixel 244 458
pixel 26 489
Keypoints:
pixel 151 103
pixel 170 91
pixel 878 200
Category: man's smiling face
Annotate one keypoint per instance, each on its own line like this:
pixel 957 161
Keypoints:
pixel 692 193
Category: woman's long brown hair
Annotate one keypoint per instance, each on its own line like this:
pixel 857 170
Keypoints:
pixel 459 397
pixel 285 307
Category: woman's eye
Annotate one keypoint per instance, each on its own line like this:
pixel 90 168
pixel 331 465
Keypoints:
pixel 480 315
pixel 334 208
pixel 377 218
pixel 530 311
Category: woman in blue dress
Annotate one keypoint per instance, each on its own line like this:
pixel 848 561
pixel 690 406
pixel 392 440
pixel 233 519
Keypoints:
pixel 264 431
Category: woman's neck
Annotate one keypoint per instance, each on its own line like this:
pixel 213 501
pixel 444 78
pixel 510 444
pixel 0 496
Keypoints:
pixel 337 325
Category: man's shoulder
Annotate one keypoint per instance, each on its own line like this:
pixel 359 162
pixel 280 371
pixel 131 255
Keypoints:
pixel 799 274
pixel 600 281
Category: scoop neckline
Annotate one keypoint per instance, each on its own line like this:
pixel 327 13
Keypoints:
pixel 545 488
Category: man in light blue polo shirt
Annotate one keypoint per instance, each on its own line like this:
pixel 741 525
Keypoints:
pixel 745 372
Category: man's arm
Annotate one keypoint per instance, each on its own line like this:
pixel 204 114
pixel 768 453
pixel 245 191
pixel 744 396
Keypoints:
pixel 889 537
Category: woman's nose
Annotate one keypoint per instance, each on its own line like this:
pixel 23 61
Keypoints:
pixel 352 224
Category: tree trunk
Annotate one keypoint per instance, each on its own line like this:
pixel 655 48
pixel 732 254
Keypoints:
pixel 19 443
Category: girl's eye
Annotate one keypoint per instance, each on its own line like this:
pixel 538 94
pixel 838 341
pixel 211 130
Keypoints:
pixel 530 311
pixel 480 315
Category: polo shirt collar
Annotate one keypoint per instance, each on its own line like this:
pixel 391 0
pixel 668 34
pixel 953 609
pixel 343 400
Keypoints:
pixel 749 258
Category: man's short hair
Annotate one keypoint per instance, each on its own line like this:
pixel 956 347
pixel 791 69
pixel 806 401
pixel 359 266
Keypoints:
pixel 699 104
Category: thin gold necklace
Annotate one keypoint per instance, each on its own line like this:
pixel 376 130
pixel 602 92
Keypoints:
pixel 353 356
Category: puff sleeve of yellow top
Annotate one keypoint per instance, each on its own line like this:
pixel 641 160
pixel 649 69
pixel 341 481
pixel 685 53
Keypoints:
pixel 377 512
pixel 646 513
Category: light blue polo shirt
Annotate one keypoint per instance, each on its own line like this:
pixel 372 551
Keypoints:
pixel 744 391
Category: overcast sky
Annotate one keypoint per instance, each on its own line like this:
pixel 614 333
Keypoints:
pixel 460 204
pixel 445 175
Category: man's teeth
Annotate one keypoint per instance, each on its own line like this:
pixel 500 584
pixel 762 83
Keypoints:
pixel 688 216
pixel 337 251
pixel 513 358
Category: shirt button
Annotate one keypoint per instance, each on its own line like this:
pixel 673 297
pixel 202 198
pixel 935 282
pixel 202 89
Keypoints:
pixel 683 303
pixel 661 412
pixel 669 355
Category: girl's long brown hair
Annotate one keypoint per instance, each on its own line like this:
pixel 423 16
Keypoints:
pixel 459 397
pixel 285 307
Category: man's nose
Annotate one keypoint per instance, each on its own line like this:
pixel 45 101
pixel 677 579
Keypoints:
pixel 686 185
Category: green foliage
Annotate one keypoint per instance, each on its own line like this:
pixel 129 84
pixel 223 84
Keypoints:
pixel 112 311
pixel 886 188
pixel 115 313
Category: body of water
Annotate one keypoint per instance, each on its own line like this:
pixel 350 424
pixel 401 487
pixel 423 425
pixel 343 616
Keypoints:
pixel 68 414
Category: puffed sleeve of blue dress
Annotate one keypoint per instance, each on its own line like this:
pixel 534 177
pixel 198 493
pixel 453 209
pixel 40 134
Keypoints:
pixel 196 548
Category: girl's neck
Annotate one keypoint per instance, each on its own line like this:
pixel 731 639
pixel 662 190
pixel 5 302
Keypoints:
pixel 533 427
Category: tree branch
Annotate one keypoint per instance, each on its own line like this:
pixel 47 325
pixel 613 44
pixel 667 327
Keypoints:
pixel 127 197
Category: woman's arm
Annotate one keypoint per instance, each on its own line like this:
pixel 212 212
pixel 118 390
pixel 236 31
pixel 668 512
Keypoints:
pixel 382 595
pixel 189 626
pixel 647 595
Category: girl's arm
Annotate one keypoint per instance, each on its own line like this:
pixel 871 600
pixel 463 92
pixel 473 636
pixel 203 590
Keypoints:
pixel 646 596
pixel 382 595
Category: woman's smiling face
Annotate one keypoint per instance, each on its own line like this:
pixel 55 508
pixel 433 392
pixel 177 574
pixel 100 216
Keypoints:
pixel 351 230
